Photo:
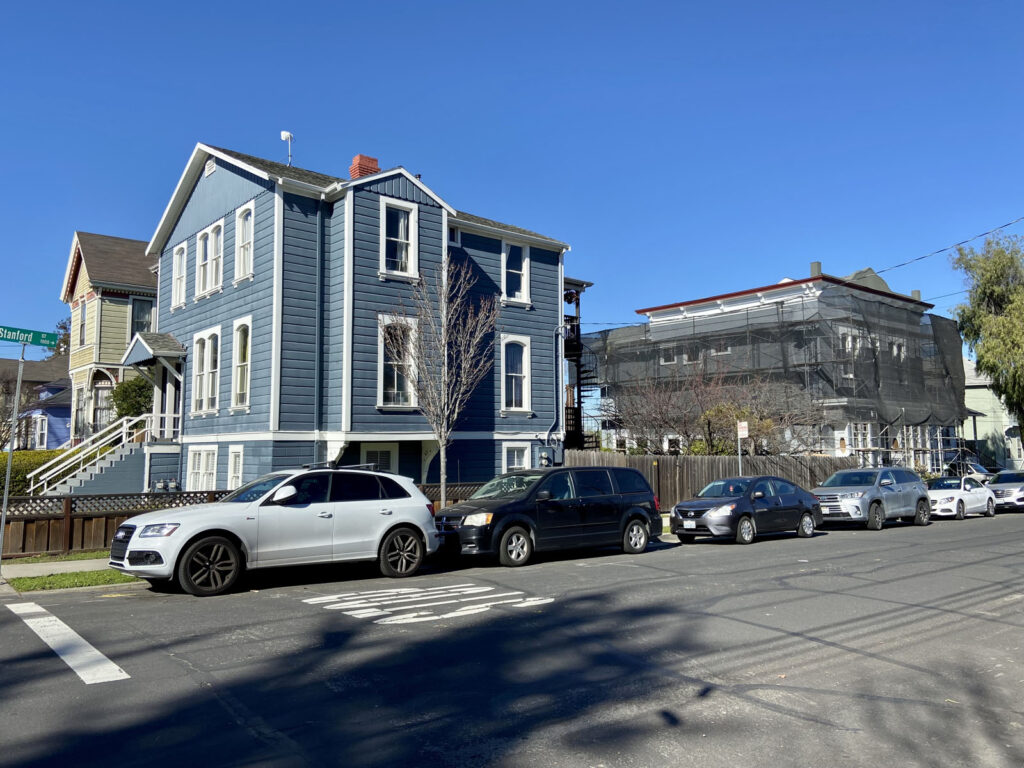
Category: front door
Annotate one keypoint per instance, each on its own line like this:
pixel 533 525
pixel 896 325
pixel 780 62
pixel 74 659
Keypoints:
pixel 768 513
pixel 300 530
pixel 558 518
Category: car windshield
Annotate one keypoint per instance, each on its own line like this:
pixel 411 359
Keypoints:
pixel 507 486
pixel 257 488
pixel 977 469
pixel 944 484
pixel 850 477
pixel 1009 477
pixel 732 486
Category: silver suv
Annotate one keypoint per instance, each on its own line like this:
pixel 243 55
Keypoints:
pixel 874 496
pixel 318 515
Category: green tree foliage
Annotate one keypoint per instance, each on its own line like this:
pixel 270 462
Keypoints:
pixel 63 332
pixel 992 320
pixel 23 463
pixel 133 397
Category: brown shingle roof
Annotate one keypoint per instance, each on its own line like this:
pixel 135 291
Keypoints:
pixel 117 261
pixel 280 169
pixel 471 219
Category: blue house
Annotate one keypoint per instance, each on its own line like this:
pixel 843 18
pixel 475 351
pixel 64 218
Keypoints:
pixel 274 284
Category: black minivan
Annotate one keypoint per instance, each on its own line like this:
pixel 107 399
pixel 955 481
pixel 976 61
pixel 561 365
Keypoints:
pixel 531 510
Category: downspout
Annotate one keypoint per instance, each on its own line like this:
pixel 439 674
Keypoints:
pixel 318 330
pixel 556 336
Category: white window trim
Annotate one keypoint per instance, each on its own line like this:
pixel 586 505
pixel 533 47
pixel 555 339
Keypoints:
pixel 663 359
pixel 218 286
pixel 40 420
pixel 382 322
pixel 131 314
pixel 414 261
pixel 524 300
pixel 236 407
pixel 513 338
pixel 454 236
pixel 203 451
pixel 206 370
pixel 391 448
pixel 504 455
pixel 179 300
pixel 236 450
pixel 249 207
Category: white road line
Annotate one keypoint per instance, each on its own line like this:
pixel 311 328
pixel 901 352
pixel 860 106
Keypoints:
pixel 86 662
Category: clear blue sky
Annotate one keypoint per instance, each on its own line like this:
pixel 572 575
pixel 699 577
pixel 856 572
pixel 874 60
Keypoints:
pixel 684 149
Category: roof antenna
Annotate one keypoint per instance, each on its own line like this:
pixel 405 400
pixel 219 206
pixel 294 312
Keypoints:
pixel 287 136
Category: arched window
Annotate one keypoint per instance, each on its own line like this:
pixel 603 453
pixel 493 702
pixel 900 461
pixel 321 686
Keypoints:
pixel 199 376
pixel 178 276
pixel 240 375
pixel 216 256
pixel 243 242
pixel 205 362
pixel 515 373
pixel 202 264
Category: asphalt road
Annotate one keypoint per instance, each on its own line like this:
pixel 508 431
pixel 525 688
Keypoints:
pixel 901 647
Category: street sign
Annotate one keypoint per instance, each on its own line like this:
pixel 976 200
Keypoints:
pixel 35 338
pixel 741 429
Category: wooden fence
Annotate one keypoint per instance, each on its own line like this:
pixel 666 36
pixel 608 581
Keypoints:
pixel 675 478
pixel 57 524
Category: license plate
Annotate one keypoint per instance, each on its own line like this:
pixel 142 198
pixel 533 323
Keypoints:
pixel 688 524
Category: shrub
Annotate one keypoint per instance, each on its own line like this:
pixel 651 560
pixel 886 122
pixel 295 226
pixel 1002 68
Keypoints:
pixel 23 463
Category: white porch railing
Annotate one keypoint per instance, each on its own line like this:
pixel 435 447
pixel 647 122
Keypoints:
pixel 88 453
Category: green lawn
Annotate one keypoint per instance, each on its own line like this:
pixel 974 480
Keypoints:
pixel 85 554
pixel 68 580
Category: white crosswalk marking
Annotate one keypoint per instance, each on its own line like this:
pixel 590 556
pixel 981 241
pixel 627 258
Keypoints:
pixel 409 605
pixel 86 662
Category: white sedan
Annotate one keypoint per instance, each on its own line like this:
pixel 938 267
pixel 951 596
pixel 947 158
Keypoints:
pixel 960 496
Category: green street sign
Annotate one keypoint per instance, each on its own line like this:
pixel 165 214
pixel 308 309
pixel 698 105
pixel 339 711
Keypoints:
pixel 35 338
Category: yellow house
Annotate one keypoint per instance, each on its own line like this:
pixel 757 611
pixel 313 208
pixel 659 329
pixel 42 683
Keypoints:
pixel 110 285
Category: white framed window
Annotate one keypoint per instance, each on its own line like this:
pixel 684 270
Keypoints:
pixel 141 317
pixel 241 350
pixel 515 372
pixel 667 356
pixel 396 375
pixel 244 239
pixel 721 348
pixel 515 456
pixel 202 469
pixel 39 428
pixel 515 273
pixel 236 455
pixel 205 370
pixel 399 238
pixel 178 264
pixel 384 455
pixel 454 236
pixel 81 324
pixel 209 259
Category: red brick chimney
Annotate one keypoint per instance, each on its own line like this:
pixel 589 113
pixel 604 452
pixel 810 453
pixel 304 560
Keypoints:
pixel 363 166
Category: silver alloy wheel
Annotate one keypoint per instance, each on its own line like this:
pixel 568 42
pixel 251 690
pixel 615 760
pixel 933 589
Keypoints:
pixel 211 567
pixel 403 552
pixel 635 540
pixel 517 546
pixel 807 524
pixel 990 509
pixel 960 512
pixel 745 530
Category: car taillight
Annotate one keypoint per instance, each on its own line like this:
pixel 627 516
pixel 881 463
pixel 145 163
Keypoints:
pixel 430 508
pixel 657 504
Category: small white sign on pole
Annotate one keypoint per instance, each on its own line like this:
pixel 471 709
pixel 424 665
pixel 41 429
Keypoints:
pixel 741 430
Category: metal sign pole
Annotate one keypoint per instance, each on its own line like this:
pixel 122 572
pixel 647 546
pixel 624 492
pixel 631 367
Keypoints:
pixel 10 454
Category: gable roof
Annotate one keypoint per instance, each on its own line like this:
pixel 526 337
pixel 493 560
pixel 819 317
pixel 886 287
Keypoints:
pixel 110 262
pixel 311 182
pixel 36 371
pixel 147 347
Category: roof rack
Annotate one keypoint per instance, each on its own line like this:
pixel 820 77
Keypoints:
pixel 333 465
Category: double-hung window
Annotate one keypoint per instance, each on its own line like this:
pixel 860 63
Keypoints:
pixel 244 241
pixel 142 317
pixel 395 371
pixel 515 372
pixel 516 456
pixel 241 350
pixel 399 239
pixel 209 259
pixel 205 367
pixel 235 455
pixel 81 324
pixel 202 469
pixel 178 262
pixel 515 273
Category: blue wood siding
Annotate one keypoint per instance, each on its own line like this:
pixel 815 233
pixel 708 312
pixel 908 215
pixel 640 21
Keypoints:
pixel 209 202
pixel 333 326
pixel 374 297
pixel 164 467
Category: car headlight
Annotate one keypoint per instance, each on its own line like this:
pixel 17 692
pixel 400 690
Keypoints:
pixel 161 529
pixel 947 500
pixel 721 511
pixel 852 495
pixel 480 518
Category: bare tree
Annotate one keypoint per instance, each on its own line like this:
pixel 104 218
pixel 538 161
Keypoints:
pixel 447 335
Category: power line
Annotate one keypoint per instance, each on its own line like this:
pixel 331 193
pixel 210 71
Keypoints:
pixel 950 247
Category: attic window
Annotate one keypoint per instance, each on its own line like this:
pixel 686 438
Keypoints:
pixel 211 166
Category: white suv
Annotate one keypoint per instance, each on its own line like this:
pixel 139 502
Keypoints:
pixel 284 518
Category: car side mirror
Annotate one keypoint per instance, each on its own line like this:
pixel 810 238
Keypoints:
pixel 284 495
pixel 885 482
pixel 757 495
pixel 543 495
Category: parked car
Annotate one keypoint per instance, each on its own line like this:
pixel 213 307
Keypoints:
pixel 1008 489
pixel 960 496
pixel 874 496
pixel 283 518
pixel 963 468
pixel 744 507
pixel 518 513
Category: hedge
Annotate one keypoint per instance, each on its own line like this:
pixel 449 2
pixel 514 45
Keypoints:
pixel 23 463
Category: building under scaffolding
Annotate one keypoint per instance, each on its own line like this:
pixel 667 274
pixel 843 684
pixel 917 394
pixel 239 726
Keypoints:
pixel 886 377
